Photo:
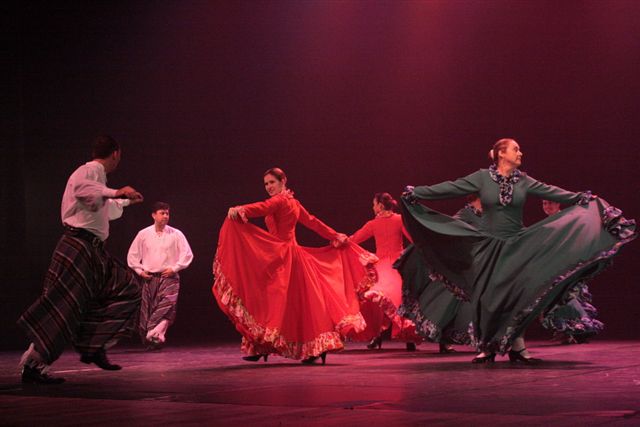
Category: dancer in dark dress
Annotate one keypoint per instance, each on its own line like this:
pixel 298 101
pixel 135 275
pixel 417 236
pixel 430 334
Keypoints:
pixel 511 273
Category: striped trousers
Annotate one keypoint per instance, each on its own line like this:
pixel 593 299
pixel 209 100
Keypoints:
pixel 90 300
pixel 159 299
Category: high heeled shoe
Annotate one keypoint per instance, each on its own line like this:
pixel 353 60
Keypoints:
pixel 487 358
pixel 446 348
pixel 311 360
pixel 255 357
pixel 375 342
pixel 516 356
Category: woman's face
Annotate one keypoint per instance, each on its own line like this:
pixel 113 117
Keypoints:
pixel 273 185
pixel 512 155
pixel 550 207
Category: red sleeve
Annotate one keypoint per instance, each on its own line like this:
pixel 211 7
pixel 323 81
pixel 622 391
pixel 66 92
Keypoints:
pixel 265 208
pixel 365 233
pixel 313 223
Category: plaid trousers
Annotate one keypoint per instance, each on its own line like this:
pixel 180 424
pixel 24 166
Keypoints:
pixel 90 299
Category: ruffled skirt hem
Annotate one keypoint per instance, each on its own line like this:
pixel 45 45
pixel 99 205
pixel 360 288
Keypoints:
pixel 261 339
pixel 581 271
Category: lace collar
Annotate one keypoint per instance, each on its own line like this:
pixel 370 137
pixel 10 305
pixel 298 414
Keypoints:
pixel 506 184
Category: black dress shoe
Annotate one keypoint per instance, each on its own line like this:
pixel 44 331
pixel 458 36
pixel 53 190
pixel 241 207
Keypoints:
pixel 100 359
pixel 446 348
pixel 35 376
pixel 375 342
pixel 411 346
pixel 312 360
pixel 255 357
pixel 487 358
pixel 516 356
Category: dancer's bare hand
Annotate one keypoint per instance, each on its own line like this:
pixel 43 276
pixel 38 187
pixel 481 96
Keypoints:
pixel 166 273
pixel 409 195
pixel 232 213
pixel 340 240
pixel 135 198
pixel 130 193
pixel 236 213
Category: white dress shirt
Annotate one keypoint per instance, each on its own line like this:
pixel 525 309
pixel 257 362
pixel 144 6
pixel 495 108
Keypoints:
pixel 154 251
pixel 87 202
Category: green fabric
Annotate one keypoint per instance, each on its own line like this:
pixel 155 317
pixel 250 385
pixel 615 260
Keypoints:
pixel 437 313
pixel 510 273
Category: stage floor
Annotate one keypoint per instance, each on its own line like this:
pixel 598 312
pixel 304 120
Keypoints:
pixel 587 384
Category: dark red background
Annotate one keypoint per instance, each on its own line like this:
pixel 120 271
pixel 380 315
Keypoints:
pixel 350 98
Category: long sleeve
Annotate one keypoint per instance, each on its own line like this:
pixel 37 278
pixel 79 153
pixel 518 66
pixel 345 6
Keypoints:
pixel 185 256
pixel 449 189
pixel 115 207
pixel 88 203
pixel 134 256
pixel 92 193
pixel 268 207
pixel 550 192
pixel 364 233
pixel 313 223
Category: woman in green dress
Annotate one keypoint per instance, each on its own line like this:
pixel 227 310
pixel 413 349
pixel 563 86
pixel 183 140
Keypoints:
pixel 511 273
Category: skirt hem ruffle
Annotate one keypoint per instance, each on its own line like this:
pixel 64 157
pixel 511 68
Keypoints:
pixel 504 343
pixel 260 339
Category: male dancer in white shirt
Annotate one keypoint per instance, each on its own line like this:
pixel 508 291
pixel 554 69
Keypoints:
pixel 157 254
pixel 90 299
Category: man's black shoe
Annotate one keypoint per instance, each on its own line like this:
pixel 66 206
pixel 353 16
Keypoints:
pixel 35 376
pixel 100 359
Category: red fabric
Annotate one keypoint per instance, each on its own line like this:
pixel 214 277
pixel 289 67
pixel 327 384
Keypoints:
pixel 386 294
pixel 282 297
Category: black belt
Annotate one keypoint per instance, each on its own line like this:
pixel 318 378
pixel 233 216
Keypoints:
pixel 83 234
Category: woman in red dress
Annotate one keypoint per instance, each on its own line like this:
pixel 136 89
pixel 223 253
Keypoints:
pixel 284 298
pixel 379 304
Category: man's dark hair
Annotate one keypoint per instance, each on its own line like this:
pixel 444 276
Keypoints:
pixel 104 146
pixel 160 206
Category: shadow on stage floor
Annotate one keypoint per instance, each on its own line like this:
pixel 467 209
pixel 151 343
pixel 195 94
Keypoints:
pixel 587 384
